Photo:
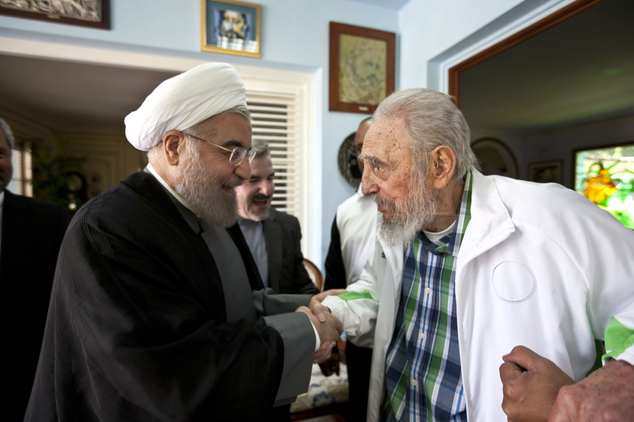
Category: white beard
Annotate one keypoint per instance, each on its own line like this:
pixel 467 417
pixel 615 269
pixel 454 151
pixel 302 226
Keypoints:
pixel 410 215
pixel 203 193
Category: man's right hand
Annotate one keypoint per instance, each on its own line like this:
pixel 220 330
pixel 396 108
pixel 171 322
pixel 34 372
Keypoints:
pixel 319 310
pixel 329 331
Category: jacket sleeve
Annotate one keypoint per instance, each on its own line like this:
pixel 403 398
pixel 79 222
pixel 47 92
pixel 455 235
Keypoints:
pixel 146 336
pixel 335 269
pixel 357 307
pixel 605 254
pixel 301 280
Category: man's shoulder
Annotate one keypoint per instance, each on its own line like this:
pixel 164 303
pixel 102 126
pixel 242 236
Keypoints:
pixel 32 206
pixel 356 206
pixel 282 216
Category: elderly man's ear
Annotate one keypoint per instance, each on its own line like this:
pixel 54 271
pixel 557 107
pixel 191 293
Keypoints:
pixel 442 166
pixel 173 142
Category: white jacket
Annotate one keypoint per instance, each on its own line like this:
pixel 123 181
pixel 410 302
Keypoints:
pixel 539 266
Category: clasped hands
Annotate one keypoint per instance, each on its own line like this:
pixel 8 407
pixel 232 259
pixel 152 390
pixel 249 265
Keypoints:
pixel 328 327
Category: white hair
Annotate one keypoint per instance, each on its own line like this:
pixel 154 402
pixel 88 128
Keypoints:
pixel 8 133
pixel 432 119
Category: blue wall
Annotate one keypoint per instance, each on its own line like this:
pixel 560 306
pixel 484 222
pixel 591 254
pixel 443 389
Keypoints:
pixel 295 36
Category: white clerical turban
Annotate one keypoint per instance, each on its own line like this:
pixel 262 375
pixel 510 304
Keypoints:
pixel 184 100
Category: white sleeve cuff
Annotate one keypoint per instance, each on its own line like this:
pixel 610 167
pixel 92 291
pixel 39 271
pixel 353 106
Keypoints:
pixel 317 339
pixel 627 355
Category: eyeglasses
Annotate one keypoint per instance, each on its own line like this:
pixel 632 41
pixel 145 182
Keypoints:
pixel 236 154
pixel 380 169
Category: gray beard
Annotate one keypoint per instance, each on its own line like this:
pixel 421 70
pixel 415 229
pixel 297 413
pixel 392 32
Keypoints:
pixel 203 192
pixel 409 216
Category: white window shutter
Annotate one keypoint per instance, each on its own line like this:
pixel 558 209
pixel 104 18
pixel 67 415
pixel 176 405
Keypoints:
pixel 274 118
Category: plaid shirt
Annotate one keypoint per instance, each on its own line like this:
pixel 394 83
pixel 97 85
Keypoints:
pixel 422 377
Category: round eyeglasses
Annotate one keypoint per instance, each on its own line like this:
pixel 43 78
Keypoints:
pixel 236 154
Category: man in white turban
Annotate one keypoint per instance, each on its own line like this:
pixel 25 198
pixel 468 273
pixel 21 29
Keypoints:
pixel 152 315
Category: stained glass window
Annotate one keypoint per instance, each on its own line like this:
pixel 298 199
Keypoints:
pixel 606 177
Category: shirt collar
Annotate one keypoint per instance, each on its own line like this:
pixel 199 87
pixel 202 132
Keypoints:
pixel 450 243
pixel 192 220
pixel 162 181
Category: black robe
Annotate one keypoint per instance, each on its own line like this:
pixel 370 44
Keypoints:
pixel 137 327
pixel 32 232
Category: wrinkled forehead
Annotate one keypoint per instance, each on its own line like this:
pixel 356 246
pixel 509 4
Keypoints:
pixel 387 139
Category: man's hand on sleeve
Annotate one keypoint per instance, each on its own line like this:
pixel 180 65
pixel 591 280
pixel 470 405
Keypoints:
pixel 530 385
pixel 606 395
pixel 319 310
pixel 328 329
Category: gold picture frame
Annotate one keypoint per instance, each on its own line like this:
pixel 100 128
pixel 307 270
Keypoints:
pixel 361 67
pixel 231 27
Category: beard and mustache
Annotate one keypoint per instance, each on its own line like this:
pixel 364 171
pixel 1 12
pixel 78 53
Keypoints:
pixel 411 214
pixel 203 191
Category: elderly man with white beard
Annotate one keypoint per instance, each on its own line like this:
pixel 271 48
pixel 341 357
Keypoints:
pixel 485 293
pixel 152 317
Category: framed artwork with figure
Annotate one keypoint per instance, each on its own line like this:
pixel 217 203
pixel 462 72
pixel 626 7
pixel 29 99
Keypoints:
pixel 361 67
pixel 230 27
pixel 92 13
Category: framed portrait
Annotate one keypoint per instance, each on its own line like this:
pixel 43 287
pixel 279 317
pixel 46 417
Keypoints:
pixel 92 13
pixel 495 157
pixel 546 171
pixel 231 27
pixel 361 67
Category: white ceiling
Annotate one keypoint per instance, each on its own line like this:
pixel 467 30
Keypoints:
pixel 388 4
pixel 72 97
pixel 578 71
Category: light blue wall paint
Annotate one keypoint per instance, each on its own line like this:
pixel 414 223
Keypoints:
pixel 295 36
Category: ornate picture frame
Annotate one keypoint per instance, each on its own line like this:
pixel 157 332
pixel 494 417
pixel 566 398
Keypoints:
pixel 361 67
pixel 231 27
pixel 550 171
pixel 91 13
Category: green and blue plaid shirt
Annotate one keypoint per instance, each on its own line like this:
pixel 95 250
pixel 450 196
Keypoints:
pixel 422 379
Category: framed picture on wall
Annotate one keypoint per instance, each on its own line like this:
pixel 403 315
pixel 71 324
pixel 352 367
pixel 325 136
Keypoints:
pixel 361 67
pixel 93 13
pixel 231 27
pixel 495 157
pixel 546 171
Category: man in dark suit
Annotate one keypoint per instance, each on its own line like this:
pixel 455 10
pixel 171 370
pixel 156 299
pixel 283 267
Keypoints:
pixel 273 237
pixel 30 235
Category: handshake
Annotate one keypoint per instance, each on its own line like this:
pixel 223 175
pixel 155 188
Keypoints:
pixel 327 326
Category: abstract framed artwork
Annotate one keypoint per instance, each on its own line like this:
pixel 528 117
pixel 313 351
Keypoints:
pixel 361 67
pixel 231 27
pixel 91 13
pixel 546 171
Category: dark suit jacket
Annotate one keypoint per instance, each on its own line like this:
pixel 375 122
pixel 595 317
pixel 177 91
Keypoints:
pixel 286 262
pixel 31 234
pixel 137 328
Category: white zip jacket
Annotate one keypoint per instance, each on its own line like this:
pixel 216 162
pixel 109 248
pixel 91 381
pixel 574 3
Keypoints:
pixel 539 266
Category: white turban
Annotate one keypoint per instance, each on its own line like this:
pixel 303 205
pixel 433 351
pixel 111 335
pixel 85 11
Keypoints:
pixel 184 100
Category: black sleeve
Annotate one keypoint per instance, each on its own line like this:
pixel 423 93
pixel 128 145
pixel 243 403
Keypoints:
pixel 301 280
pixel 132 339
pixel 335 270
